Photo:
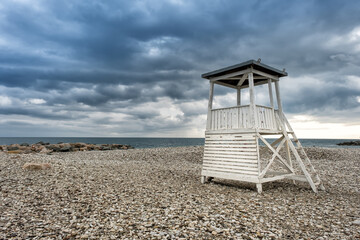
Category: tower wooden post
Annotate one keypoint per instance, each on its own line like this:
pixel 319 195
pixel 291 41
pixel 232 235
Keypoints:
pixel 211 96
pixel 238 97
pixel 253 119
pixel 277 90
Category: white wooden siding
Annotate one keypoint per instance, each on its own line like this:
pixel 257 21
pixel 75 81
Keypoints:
pixel 231 153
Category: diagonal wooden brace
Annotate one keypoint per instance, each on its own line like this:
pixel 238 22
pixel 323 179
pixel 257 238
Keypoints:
pixel 276 154
pixel 273 144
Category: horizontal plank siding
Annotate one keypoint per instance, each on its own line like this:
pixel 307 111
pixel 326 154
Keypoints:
pixel 231 176
pixel 229 156
pixel 231 149
pixel 232 142
pixel 230 163
pixel 233 154
pixel 229 166
pixel 242 172
pixel 231 137
pixel 215 145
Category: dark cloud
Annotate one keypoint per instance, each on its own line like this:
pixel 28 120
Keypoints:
pixel 36 113
pixel 92 58
pixel 313 101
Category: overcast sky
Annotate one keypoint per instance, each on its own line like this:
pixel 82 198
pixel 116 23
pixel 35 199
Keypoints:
pixel 132 68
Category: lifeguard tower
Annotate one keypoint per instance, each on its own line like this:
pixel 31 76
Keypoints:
pixel 233 134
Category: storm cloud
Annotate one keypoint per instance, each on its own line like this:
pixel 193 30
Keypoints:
pixel 132 68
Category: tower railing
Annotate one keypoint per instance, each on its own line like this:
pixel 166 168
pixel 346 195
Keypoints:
pixel 238 117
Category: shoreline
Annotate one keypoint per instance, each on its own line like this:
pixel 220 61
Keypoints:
pixel 156 193
pixel 48 148
pixel 157 142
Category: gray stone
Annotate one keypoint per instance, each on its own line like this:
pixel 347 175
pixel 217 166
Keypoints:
pixel 356 222
pixel 13 147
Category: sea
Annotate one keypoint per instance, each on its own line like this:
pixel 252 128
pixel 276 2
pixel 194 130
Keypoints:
pixel 156 142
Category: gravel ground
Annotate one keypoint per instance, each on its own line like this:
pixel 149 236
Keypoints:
pixel 156 193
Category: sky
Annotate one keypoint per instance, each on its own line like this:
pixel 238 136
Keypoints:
pixel 133 68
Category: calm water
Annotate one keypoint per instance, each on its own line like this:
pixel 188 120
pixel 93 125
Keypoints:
pixel 155 142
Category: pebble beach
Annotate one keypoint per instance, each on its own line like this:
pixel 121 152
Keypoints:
pixel 156 193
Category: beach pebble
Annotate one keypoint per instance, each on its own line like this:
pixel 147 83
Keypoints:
pixel 156 193
pixel 36 166
pixel 356 222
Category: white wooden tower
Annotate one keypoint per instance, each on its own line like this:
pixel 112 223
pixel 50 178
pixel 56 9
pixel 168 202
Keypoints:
pixel 233 134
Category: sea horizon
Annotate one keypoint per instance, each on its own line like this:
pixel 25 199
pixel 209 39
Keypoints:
pixel 154 142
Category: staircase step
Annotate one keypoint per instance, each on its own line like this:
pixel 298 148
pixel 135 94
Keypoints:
pixel 299 178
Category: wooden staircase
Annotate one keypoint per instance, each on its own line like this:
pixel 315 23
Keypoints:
pixel 310 174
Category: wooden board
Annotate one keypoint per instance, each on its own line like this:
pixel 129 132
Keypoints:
pixel 229 157
pixel 230 176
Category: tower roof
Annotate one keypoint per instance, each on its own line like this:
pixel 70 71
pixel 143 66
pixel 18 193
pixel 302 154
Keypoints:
pixel 230 76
